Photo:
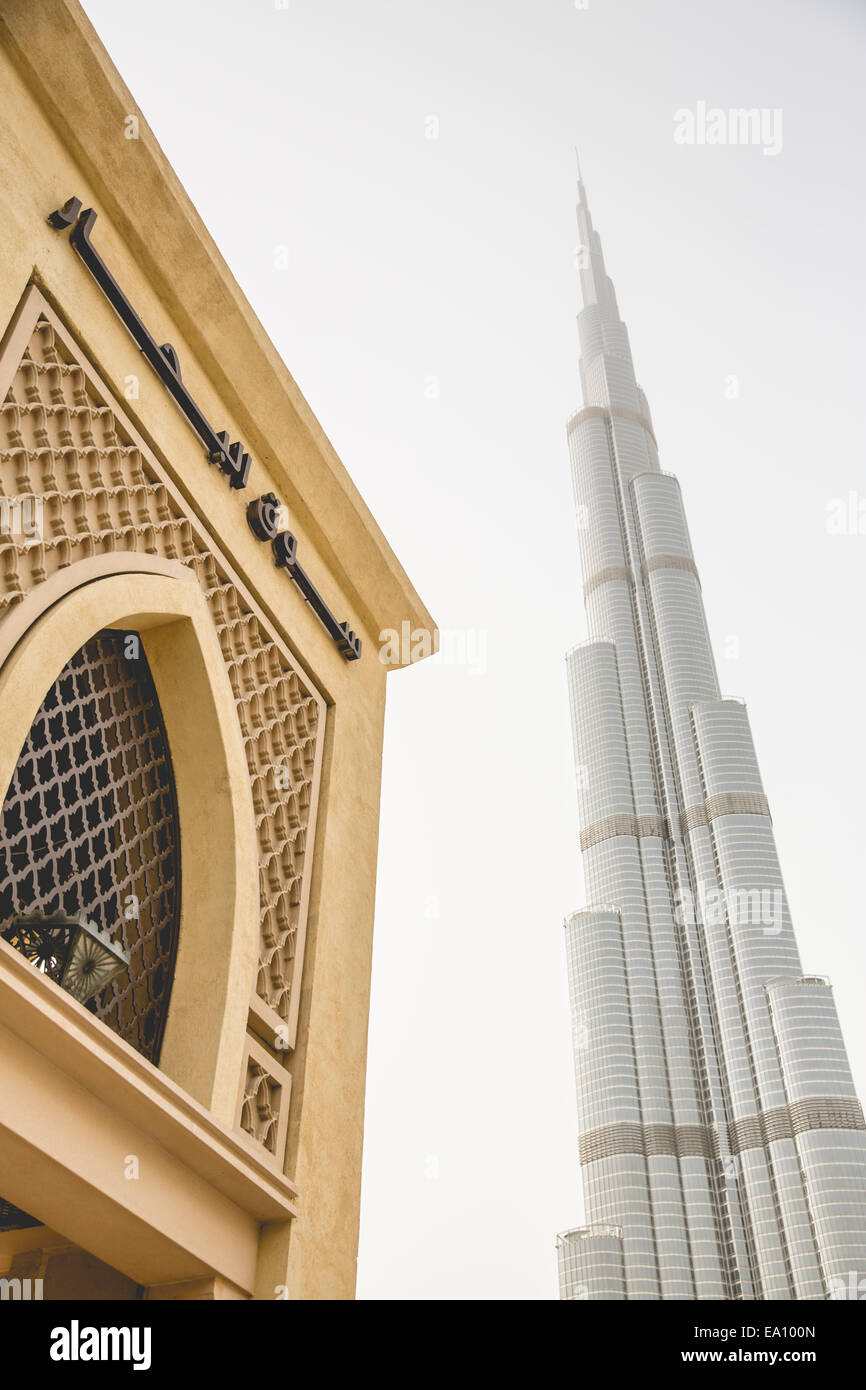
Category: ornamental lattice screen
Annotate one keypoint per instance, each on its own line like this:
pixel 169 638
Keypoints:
pixel 67 447
pixel 89 824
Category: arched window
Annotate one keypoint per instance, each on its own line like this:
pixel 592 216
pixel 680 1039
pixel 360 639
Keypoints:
pixel 89 826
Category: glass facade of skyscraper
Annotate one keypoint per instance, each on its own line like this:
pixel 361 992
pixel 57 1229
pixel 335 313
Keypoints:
pixel 723 1148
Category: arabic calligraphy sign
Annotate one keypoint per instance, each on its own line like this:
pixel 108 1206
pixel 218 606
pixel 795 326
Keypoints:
pixel 263 514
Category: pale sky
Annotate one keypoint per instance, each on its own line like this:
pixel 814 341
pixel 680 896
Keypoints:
pixel 426 308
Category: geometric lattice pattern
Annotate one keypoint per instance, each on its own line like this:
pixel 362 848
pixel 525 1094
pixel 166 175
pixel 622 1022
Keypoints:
pixel 65 445
pixel 260 1107
pixel 89 825
pixel 62 444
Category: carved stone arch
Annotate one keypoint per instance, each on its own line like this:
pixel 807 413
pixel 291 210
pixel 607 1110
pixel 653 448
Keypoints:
pixel 204 1043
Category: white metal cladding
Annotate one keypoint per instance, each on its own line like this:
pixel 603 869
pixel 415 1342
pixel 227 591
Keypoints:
pixel 591 1258
pixel 722 1146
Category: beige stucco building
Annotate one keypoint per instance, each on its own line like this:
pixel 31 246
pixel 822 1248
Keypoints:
pixel 190 741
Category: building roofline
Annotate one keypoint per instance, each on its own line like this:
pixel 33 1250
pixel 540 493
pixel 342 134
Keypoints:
pixel 60 56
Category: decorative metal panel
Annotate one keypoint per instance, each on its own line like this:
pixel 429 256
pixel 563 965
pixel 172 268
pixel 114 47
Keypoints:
pixel 90 825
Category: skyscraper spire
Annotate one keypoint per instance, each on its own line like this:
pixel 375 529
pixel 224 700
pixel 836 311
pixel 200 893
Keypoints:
pixel 722 1145
pixel 596 285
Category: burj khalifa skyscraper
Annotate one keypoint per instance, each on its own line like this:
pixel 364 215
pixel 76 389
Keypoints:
pixel 722 1145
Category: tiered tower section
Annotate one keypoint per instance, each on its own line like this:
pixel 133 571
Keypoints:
pixel 722 1146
